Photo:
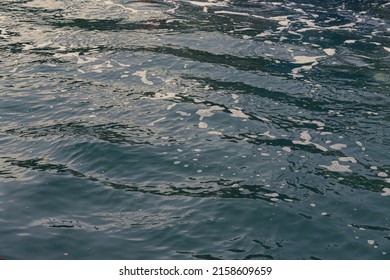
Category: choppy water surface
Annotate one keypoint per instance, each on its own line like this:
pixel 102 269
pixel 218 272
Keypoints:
pixel 194 130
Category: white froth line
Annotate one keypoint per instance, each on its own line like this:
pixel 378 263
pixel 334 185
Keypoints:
pixel 156 121
pixel 302 59
pixel 208 4
pixel 231 13
pixel 119 5
pixel 214 132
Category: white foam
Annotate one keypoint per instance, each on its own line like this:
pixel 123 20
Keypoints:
pixel 236 113
pixel 305 136
pixel 338 146
pixel 337 167
pixel 234 96
pixel 121 64
pixel 171 106
pixel 349 41
pixel 165 95
pixel 318 123
pixel 85 60
pixel 208 4
pixel 214 132
pixel 28 47
pixel 142 75
pixel 208 112
pixel 71 54
pixel 302 59
pixel 386 192
pixel 156 121
pixel 382 174
pixel 283 21
pixel 348 159
pixel 202 125
pixel 319 147
pixel 286 149
pixel 387 49
pixel 269 135
pixel 272 194
pixel 264 34
pixel 329 51
pixel 184 114
pixel 231 13
pixel 121 6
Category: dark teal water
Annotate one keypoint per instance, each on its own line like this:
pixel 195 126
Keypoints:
pixel 194 130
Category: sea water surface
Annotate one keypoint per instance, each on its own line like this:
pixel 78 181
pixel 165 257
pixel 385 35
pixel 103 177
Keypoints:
pixel 177 129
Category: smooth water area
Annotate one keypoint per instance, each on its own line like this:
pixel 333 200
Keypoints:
pixel 177 129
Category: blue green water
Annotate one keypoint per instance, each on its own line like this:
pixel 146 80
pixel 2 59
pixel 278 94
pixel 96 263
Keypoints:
pixel 168 129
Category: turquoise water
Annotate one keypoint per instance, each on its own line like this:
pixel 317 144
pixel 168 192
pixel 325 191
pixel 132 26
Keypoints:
pixel 194 130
